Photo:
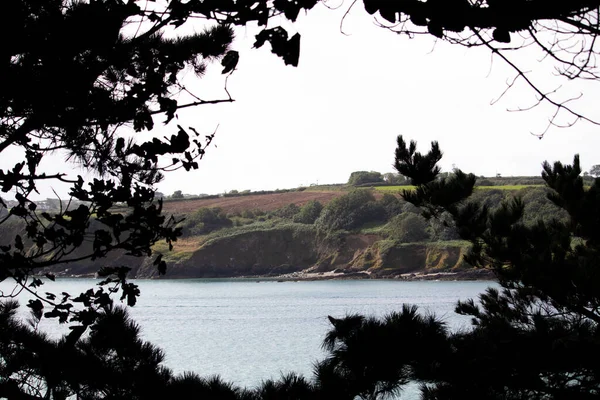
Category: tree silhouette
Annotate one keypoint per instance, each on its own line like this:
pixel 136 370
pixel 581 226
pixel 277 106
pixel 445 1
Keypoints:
pixel 75 75
pixel 538 336
pixel 563 32
pixel 86 78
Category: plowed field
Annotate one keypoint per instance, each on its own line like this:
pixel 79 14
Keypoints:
pixel 264 202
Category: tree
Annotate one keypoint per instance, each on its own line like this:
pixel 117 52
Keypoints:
pixel 595 170
pixel 358 178
pixel 177 195
pixel 408 227
pixel 350 211
pixel 91 97
pixel 393 179
pixel 309 212
pixel 564 33
pixel 76 78
pixel 534 338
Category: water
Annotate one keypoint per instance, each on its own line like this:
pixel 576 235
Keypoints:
pixel 248 331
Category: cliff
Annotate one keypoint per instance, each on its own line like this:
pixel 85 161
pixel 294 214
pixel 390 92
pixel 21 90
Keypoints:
pixel 300 248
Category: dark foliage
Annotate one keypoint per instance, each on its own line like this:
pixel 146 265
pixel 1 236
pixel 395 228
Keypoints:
pixel 351 211
pixel 74 77
pixel 409 228
pixel 536 337
pixel 359 178
pixel 309 212
pixel 204 221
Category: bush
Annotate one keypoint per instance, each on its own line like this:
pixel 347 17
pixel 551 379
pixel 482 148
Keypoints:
pixel 391 205
pixel 362 177
pixel 309 212
pixel 287 212
pixel 248 214
pixel 204 221
pixel 408 228
pixel 539 207
pixel 350 211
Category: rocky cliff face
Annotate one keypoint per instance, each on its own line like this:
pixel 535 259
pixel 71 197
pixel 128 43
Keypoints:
pixel 285 250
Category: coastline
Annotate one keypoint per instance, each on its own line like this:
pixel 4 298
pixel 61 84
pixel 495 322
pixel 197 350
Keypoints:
pixel 468 275
pixel 464 275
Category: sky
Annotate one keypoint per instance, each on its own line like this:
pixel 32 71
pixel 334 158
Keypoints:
pixel 352 94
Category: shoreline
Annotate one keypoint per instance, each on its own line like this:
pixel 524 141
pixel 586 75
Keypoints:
pixel 471 275
pixel 468 275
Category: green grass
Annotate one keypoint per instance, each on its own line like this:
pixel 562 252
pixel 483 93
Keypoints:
pixel 396 189
pixel 374 227
pixel 393 189
pixel 506 187
pixel 183 249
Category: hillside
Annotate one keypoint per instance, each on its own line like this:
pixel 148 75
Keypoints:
pixel 262 202
pixel 315 233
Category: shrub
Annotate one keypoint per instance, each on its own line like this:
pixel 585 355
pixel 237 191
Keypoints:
pixel 309 212
pixel 391 205
pixel 287 212
pixel 248 214
pixel 351 211
pixel 204 221
pixel 408 228
pixel 362 177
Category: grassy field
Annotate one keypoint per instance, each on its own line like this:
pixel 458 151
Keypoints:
pixel 506 187
pixel 396 189
pixel 393 189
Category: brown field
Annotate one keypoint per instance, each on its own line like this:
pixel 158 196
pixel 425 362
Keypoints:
pixel 264 202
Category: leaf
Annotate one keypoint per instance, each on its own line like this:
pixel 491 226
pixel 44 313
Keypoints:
pixel 36 307
pixel 435 29
pixel 230 61
pixel 501 35
pixel 36 283
pixel 389 14
pixel 75 334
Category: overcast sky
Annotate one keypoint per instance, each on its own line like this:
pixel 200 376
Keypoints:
pixel 342 108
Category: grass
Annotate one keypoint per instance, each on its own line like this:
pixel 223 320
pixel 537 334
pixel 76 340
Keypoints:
pixel 183 249
pixel 506 187
pixel 396 189
pixel 374 227
pixel 272 224
pixel 393 189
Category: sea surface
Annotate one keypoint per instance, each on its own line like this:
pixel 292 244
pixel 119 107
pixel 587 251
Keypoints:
pixel 251 330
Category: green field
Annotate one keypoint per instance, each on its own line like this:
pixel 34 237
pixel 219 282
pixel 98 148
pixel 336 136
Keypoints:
pixel 506 187
pixel 396 189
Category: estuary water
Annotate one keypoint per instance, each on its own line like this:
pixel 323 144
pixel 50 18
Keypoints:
pixel 251 330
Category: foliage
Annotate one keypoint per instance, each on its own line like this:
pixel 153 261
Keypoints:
pixel 408 228
pixel 204 221
pixel 309 212
pixel 532 339
pixel 288 212
pixel 391 205
pixel 350 211
pixel 91 97
pixel 177 195
pixel 119 365
pixel 358 178
pixel 595 170
pixel 565 34
pixel 394 179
